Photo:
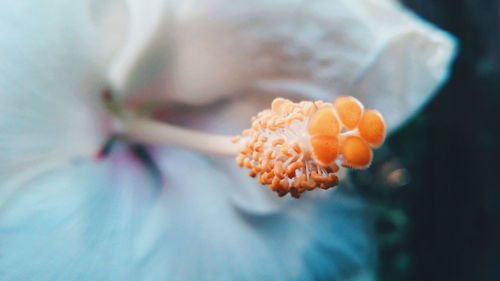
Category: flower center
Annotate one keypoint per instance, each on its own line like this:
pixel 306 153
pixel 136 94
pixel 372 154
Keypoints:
pixel 295 147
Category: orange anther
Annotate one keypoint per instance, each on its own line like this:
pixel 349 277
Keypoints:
pixel 284 183
pixel 319 103
pixel 316 177
pixel 247 132
pixel 273 155
pixel 295 117
pixel 357 153
pixel 284 150
pixel 246 150
pixel 236 139
pixel 282 192
pixel 372 128
pixel 297 148
pixel 278 169
pixel 278 141
pixel 294 192
pixel 239 160
pixel 333 179
pixel 282 106
pixel 277 103
pixel 349 110
pixel 325 149
pixel 257 169
pixel 290 170
pixel 247 163
pixel 256 156
pixel 264 178
pixel 323 122
pixel 275 183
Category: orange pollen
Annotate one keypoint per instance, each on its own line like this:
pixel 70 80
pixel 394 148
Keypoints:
pixel 295 147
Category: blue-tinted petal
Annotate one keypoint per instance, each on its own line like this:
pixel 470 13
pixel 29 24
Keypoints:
pixel 54 56
pixel 205 235
pixel 53 67
pixel 76 223
pixel 109 221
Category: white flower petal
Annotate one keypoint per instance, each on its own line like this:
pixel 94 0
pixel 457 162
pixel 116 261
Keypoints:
pixel 52 73
pixel 109 221
pixel 374 50
pixel 145 22
pixel 76 223
pixel 52 69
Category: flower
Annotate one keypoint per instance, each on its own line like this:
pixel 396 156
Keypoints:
pixel 66 216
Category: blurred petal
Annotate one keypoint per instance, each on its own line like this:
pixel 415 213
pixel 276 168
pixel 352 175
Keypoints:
pixel 198 230
pixel 76 223
pixel 372 49
pixel 96 222
pixel 147 20
pixel 53 68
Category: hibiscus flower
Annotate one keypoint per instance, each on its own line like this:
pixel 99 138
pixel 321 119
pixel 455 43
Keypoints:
pixel 175 214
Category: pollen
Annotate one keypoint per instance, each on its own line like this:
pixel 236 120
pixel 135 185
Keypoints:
pixel 297 147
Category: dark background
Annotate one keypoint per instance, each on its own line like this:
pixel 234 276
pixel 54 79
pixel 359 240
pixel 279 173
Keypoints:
pixel 445 223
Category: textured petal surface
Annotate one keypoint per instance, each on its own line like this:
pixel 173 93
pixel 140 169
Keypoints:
pixel 76 223
pixel 52 70
pixel 371 49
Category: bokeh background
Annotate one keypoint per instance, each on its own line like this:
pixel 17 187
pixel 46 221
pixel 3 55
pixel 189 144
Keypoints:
pixel 436 189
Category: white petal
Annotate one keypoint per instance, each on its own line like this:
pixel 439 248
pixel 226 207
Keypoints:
pixel 109 221
pixel 147 24
pixel 375 50
pixel 76 223
pixel 52 71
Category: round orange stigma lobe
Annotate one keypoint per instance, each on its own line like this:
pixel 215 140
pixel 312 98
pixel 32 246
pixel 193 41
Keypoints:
pixel 357 153
pixel 349 110
pixel 325 149
pixel 324 122
pixel 372 128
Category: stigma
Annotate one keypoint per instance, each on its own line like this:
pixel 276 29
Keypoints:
pixel 296 147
